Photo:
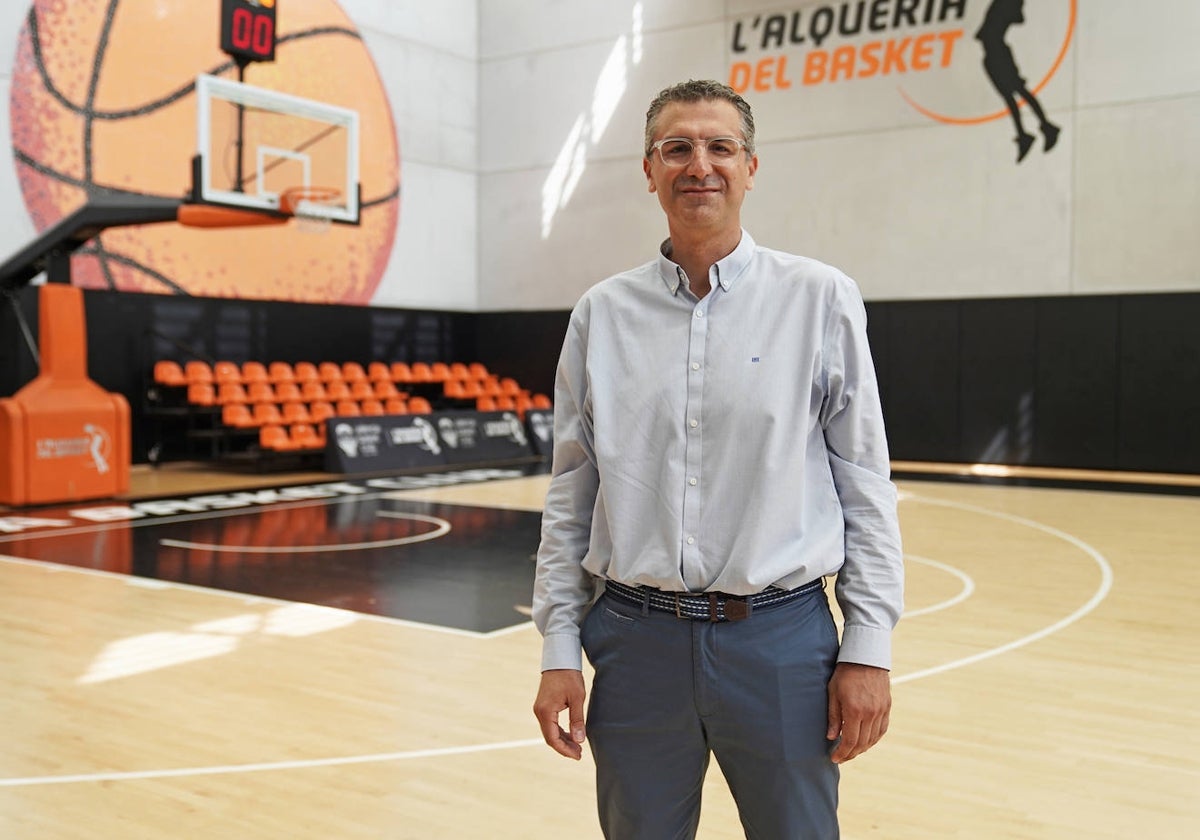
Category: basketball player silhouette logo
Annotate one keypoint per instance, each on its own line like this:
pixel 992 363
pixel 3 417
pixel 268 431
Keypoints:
pixel 1001 68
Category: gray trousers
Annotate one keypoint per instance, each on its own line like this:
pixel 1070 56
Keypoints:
pixel 669 692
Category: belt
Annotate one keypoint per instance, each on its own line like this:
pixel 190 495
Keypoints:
pixel 707 606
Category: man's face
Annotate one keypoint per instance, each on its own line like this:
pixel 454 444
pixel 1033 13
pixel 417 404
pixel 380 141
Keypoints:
pixel 702 195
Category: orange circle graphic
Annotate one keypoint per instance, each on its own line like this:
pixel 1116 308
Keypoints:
pixel 103 101
pixel 942 118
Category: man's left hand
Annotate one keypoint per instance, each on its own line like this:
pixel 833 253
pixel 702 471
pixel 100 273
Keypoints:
pixel 860 701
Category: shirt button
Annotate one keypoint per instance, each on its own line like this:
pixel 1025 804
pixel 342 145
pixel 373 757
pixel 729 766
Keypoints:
pixel 693 423
pixel 699 313
pixel 695 366
pixel 691 540
pixel 692 482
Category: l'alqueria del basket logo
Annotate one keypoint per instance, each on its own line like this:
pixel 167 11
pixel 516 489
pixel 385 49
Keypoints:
pixel 953 62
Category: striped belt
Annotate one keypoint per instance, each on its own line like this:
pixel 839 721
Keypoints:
pixel 707 606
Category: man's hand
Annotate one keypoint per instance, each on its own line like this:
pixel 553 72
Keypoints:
pixel 860 700
pixel 559 691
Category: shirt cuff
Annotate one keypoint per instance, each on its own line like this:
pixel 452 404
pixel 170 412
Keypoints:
pixel 562 651
pixel 866 646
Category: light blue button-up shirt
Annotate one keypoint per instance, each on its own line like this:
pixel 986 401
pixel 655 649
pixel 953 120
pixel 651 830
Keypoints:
pixel 728 444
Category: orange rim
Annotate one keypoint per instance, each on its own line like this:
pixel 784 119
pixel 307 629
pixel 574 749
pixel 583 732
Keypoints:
pixel 292 197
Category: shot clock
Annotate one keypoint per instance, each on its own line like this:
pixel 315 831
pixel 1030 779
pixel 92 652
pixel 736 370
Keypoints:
pixel 248 29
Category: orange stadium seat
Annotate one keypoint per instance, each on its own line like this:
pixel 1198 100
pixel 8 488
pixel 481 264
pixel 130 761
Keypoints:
pixel 280 372
pixel 231 392
pixel 320 411
pixel 506 404
pixel 335 391
pixel 353 372
pixel 238 415
pixel 257 392
pixel 421 372
pixel 202 393
pixel 541 401
pixel 275 437
pixel 371 408
pixel 348 408
pixel 304 436
pixel 295 412
pixel 224 372
pixel 385 390
pixel 254 372
pixel 459 371
pixel 485 404
pixel 268 414
pixel 330 372
pixel 419 405
pixel 378 372
pixel 288 392
pixel 401 372
pixel 197 371
pixel 509 386
pixel 313 391
pixel 362 390
pixel 439 371
pixel 395 405
pixel 306 372
pixel 169 373
pixel 478 370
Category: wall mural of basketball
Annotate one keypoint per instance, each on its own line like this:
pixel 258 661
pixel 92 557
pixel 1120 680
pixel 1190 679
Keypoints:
pixel 103 101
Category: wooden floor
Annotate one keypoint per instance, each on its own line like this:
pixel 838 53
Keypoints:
pixel 1046 685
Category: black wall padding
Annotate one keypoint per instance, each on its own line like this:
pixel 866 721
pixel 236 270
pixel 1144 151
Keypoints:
pixel 1094 382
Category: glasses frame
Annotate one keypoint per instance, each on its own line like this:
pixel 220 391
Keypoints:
pixel 695 143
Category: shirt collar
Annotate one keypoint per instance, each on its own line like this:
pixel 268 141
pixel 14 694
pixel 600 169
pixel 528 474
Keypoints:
pixel 729 267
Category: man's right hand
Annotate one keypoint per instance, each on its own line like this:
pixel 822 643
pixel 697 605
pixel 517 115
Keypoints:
pixel 561 690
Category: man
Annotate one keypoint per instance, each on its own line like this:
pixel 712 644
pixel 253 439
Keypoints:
pixel 719 449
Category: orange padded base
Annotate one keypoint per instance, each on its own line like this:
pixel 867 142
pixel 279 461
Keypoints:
pixel 63 438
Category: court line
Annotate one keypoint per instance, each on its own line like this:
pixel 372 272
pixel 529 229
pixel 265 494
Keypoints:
pixel 1106 581
pixel 442 529
pixel 1105 587
pixel 301 764
pixel 963 594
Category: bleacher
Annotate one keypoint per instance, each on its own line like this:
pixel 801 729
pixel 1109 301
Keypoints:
pixel 253 411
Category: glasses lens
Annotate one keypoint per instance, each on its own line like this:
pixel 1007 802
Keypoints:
pixel 676 151
pixel 723 148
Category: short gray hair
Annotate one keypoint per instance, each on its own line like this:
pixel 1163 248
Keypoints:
pixel 700 91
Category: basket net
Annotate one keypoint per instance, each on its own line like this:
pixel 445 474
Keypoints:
pixel 309 206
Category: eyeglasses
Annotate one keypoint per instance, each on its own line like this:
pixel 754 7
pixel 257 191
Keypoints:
pixel 679 151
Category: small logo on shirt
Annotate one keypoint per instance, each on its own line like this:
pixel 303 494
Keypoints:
pixel 755 359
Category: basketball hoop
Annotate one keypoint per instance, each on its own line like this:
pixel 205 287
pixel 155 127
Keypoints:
pixel 310 207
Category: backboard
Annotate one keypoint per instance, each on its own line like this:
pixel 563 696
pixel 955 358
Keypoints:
pixel 254 145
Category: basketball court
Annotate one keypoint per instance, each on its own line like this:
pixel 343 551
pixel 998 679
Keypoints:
pixel 356 661
pixel 347 652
